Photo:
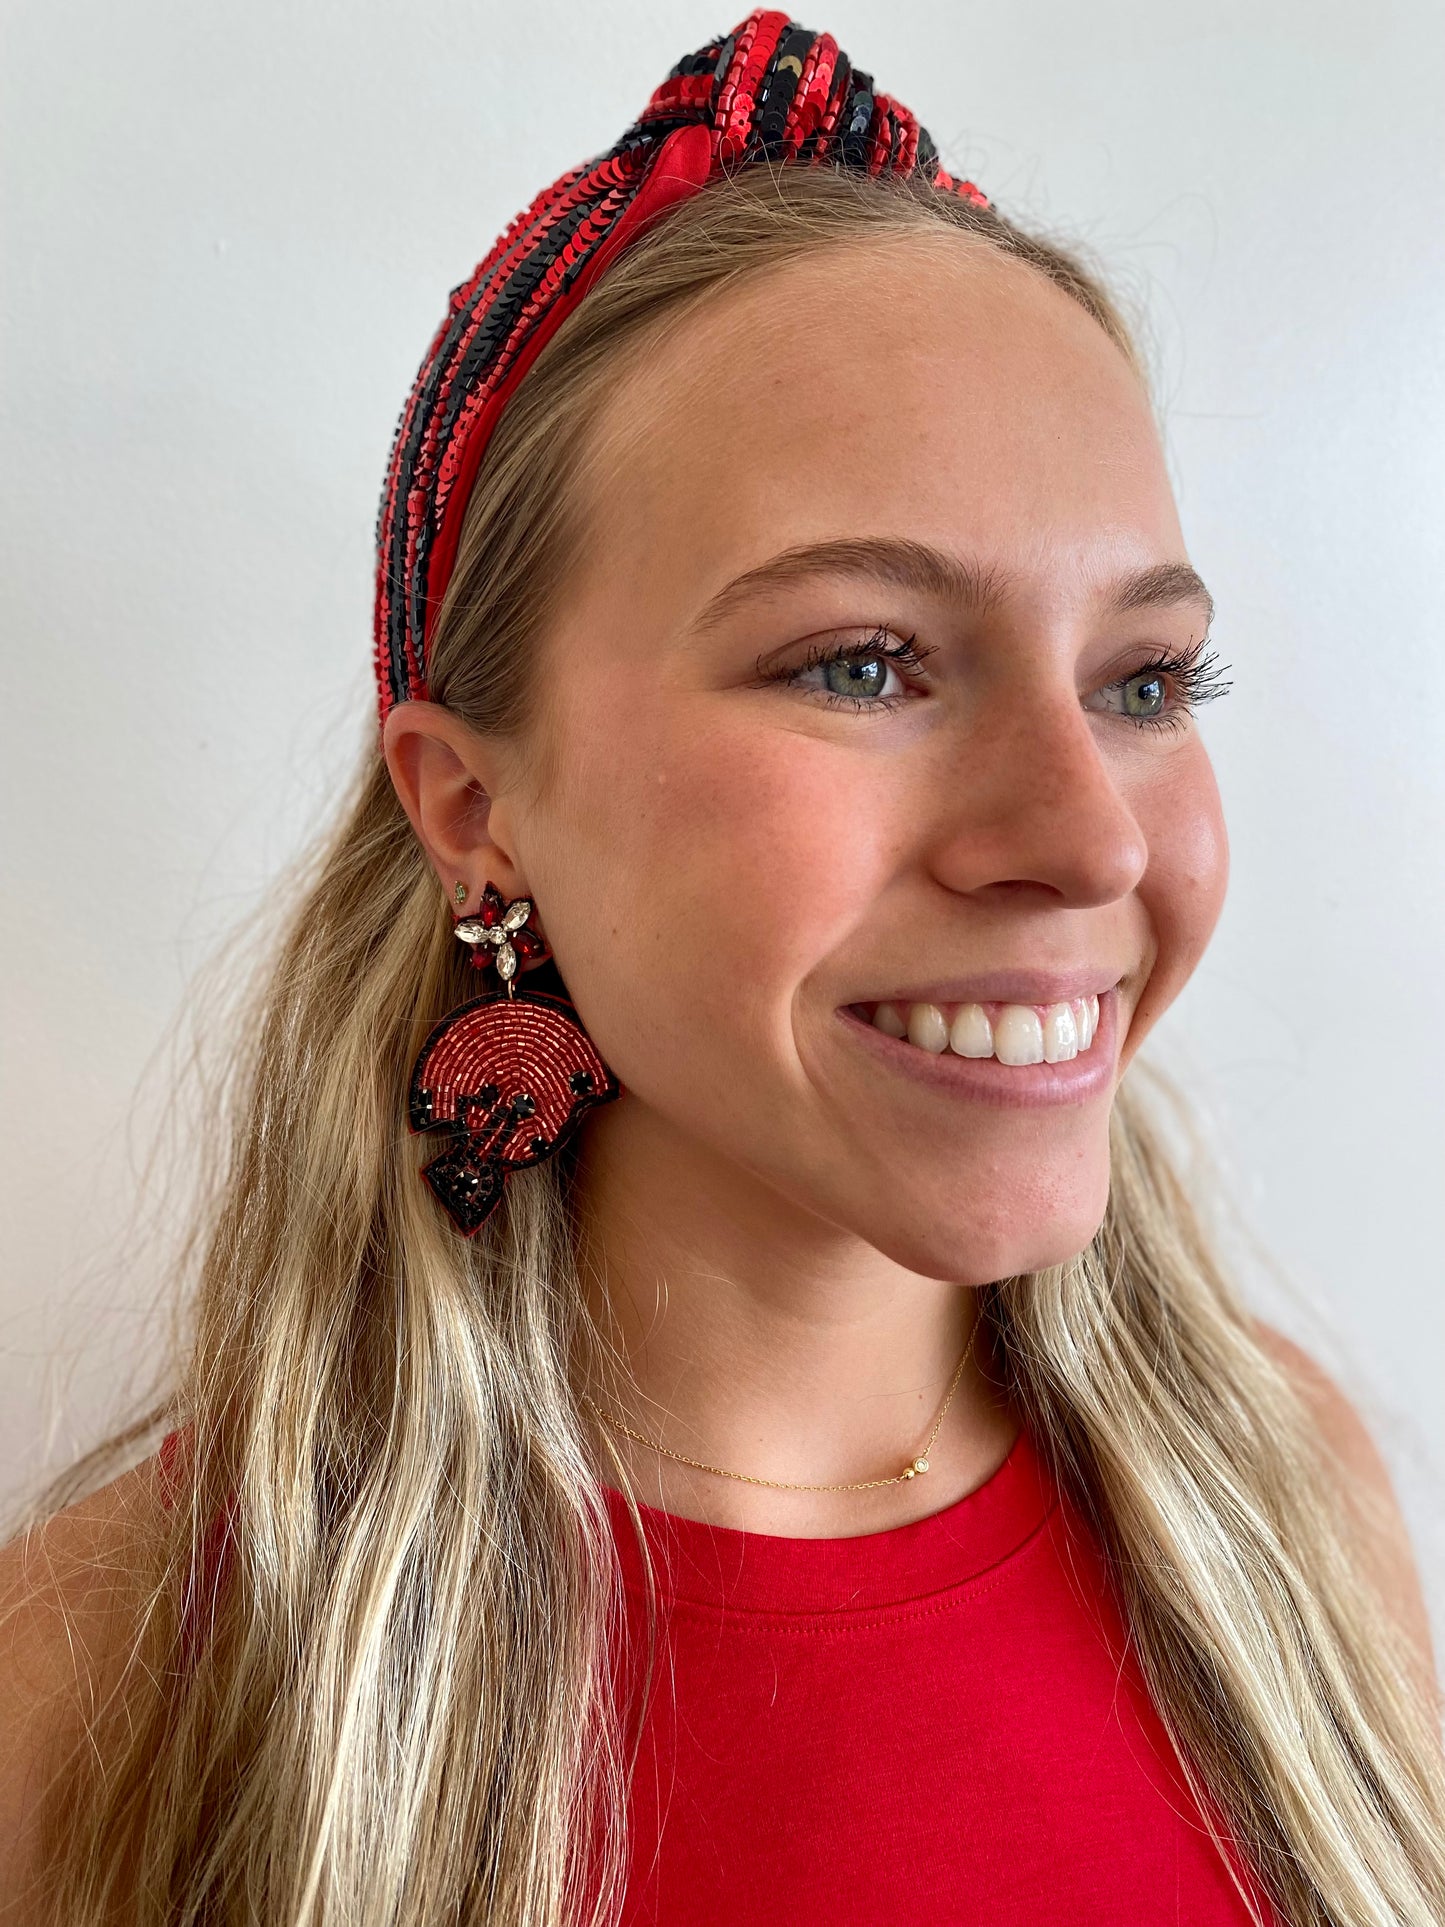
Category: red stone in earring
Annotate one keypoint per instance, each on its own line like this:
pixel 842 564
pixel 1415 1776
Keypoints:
pixel 506 1077
pixel 497 931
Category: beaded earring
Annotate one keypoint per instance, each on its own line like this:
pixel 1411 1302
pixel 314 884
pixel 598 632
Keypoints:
pixel 505 1077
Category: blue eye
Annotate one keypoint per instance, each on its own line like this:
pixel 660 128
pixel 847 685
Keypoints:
pixel 1145 694
pixel 855 675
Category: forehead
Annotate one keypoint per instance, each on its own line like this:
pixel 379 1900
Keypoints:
pixel 924 386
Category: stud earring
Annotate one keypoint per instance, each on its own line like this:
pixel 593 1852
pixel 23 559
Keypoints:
pixel 505 1077
pixel 461 892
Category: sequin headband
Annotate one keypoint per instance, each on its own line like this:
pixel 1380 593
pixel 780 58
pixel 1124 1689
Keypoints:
pixel 771 91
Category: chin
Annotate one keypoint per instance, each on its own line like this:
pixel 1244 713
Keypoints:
pixel 965 1252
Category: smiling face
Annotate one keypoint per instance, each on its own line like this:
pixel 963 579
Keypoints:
pixel 738 850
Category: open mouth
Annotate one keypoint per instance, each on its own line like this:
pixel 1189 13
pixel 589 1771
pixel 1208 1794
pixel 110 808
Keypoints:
pixel 1008 1055
pixel 1015 1034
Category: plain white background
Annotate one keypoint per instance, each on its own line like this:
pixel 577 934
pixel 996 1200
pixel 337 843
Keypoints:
pixel 230 230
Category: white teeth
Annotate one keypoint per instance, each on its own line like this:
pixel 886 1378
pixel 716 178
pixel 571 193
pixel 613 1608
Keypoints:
pixel 1061 1034
pixel 927 1027
pixel 971 1034
pixel 1017 1035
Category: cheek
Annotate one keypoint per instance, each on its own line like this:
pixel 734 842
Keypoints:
pixel 700 865
pixel 1183 889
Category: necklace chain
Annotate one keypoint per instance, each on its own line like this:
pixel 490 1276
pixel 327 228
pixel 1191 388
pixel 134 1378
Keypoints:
pixel 912 1470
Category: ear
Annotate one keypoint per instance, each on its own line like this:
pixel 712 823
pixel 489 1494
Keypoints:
pixel 453 785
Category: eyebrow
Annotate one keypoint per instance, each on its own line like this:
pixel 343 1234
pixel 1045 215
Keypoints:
pixel 906 564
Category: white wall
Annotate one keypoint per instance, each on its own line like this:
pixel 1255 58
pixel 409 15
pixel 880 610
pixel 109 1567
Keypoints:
pixel 230 230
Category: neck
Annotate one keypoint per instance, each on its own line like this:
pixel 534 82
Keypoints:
pixel 743 1332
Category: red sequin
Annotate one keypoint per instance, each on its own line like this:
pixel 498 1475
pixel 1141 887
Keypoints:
pixel 703 120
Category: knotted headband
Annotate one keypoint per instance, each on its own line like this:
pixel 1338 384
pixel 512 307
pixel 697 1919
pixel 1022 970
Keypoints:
pixel 771 91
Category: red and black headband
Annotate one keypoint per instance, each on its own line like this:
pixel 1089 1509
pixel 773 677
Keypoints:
pixel 771 91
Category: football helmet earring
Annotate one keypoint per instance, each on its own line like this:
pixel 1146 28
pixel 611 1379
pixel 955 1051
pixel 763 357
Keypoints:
pixel 506 1077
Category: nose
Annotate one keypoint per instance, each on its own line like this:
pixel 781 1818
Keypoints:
pixel 1032 797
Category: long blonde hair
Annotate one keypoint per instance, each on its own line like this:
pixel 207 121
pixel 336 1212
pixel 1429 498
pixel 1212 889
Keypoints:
pixel 393 1712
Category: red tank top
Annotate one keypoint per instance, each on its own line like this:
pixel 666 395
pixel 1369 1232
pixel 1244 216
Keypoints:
pixel 941 1724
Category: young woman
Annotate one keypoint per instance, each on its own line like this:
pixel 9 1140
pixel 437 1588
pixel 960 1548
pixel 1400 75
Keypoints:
pixel 725 1412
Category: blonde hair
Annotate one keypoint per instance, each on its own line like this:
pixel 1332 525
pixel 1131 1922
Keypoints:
pixel 393 1710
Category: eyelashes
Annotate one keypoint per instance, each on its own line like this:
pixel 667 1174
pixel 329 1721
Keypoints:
pixel 904 653
pixel 1193 674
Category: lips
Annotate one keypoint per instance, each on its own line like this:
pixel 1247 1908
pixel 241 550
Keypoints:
pixel 987 1081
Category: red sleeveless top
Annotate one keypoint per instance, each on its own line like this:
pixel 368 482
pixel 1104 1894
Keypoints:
pixel 940 1724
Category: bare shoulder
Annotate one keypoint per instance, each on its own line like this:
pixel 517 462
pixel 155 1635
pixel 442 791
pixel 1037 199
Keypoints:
pixel 1367 1488
pixel 68 1605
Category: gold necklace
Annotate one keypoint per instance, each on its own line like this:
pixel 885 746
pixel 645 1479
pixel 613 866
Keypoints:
pixel 910 1471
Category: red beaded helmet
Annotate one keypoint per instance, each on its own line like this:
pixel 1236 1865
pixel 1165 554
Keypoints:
pixel 770 91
